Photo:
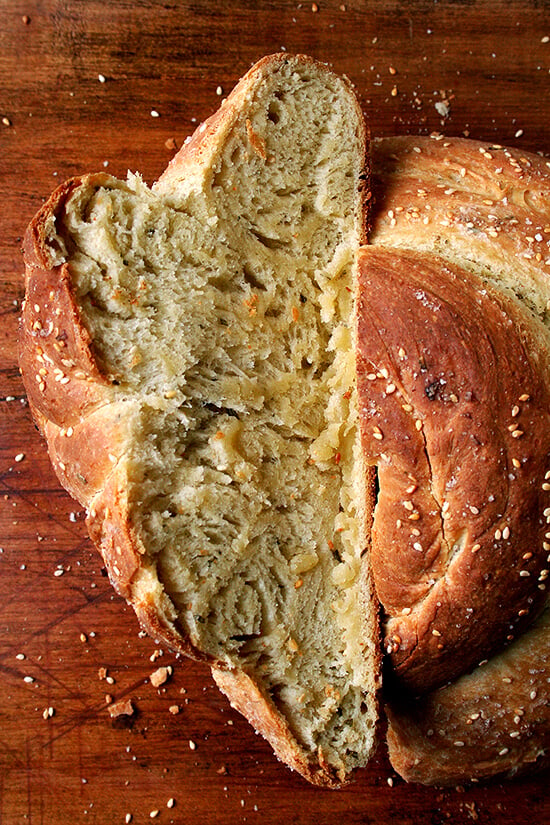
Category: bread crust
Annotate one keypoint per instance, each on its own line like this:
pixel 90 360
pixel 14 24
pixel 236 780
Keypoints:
pixel 453 380
pixel 73 401
pixel 492 722
pixel 246 696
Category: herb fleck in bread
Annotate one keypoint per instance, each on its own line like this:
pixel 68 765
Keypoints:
pixel 188 354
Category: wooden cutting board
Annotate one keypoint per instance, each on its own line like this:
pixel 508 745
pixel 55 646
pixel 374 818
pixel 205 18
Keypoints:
pixel 86 86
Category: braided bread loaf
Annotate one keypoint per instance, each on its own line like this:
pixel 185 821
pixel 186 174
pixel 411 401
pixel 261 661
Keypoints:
pixel 246 399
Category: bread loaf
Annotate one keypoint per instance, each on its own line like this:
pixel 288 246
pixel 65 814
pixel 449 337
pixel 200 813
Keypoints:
pixel 454 350
pixel 220 367
pixel 187 353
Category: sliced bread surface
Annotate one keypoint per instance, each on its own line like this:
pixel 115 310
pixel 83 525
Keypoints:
pixel 188 352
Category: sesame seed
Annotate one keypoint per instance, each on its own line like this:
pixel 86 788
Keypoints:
pixel 517 433
pixel 503 752
pixel 506 533
pixel 154 113
pixel 192 745
pixel 19 457
pixel 436 632
pixel 524 573
pixel 171 802
pixel 458 743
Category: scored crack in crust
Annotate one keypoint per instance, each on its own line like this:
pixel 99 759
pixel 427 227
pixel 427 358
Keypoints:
pixel 187 352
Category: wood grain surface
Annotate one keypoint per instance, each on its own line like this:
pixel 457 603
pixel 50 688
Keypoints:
pixel 80 83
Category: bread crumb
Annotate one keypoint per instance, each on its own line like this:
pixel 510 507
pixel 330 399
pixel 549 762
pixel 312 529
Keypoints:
pixel 160 676
pixel 124 707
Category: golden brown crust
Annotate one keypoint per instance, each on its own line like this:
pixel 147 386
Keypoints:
pixel 61 375
pixel 481 205
pixel 246 696
pixel 454 387
pixel 494 721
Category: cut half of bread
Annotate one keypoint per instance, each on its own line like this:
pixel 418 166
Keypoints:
pixel 188 352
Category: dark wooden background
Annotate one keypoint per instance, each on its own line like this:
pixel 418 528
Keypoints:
pixel 78 84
